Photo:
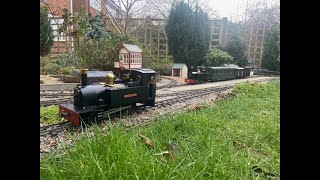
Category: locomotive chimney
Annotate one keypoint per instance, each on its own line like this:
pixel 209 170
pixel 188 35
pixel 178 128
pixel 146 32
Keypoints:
pixel 84 77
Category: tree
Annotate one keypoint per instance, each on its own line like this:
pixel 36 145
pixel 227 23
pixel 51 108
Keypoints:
pixel 217 57
pixel 262 12
pixel 187 32
pixel 46 35
pixel 236 48
pixel 101 53
pixel 96 29
pixel 97 48
pixel 200 37
pixel 270 56
pixel 122 13
pixel 161 8
pixel 178 30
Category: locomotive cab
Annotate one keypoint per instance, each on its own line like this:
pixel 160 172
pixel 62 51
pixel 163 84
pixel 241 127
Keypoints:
pixel 146 78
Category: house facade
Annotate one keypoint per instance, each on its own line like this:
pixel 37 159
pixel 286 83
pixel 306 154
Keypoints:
pixel 62 43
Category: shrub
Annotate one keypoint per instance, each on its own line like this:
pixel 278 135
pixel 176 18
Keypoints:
pixel 101 54
pixel 68 71
pixel 44 61
pixel 69 59
pixel 161 68
pixel 217 57
pixel 50 68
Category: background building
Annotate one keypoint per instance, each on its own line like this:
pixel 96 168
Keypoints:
pixel 151 32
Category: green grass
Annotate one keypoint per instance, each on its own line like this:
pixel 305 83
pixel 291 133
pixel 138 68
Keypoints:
pixel 49 115
pixel 223 141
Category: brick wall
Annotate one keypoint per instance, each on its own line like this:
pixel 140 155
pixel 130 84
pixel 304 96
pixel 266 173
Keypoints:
pixel 57 6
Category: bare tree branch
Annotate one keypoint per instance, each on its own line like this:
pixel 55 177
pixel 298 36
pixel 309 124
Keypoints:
pixel 111 18
pixel 50 10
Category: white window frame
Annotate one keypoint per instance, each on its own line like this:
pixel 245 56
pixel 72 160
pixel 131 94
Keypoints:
pixel 125 59
pixel 96 4
pixel 54 22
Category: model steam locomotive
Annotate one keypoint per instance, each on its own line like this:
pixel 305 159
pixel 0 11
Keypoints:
pixel 95 101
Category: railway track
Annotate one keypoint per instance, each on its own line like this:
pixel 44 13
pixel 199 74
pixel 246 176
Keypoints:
pixel 182 97
pixel 179 98
pixel 55 101
pixel 67 97
pixel 54 129
pixel 191 95
pixel 61 93
pixel 172 83
pixel 58 97
pixel 55 95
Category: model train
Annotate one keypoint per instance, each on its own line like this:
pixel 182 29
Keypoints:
pixel 211 74
pixel 95 101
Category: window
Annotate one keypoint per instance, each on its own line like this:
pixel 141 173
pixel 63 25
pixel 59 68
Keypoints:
pixel 125 59
pixel 92 3
pixel 55 22
pixel 111 7
pixel 121 58
pixel 215 36
pixel 216 30
pixel 215 42
pixel 96 4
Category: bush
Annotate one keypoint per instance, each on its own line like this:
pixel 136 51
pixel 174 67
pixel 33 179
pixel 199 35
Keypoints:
pixel 69 59
pixel 161 68
pixel 68 71
pixel 67 64
pixel 50 68
pixel 44 61
pixel 101 54
pixel 217 57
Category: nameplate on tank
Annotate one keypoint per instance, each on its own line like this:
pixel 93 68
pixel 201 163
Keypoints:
pixel 130 95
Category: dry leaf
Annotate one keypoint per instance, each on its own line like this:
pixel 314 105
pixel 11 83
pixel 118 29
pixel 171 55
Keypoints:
pixel 173 146
pixel 162 153
pixel 259 171
pixel 197 107
pixel 167 153
pixel 238 145
pixel 147 140
pixel 81 165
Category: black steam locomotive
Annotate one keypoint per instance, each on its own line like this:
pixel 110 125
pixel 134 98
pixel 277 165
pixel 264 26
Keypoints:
pixel 94 102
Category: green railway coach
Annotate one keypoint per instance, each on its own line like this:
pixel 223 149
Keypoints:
pixel 221 73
